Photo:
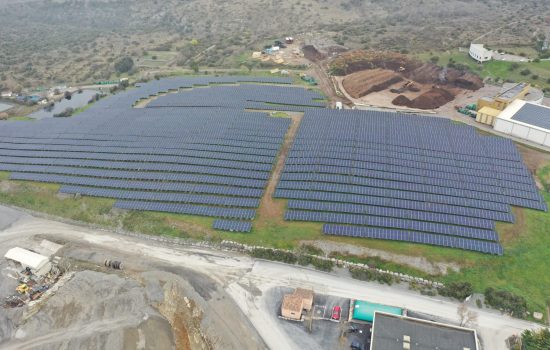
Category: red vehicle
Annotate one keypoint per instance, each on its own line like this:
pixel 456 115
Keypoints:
pixel 336 311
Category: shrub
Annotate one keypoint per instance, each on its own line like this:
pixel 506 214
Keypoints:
pixel 457 290
pixel 275 255
pixel 534 77
pixel 370 275
pixel 525 72
pixel 321 264
pixel 310 249
pixel 479 303
pixel 434 59
pixel 66 113
pixel 506 301
pixel 124 64
pixel 514 66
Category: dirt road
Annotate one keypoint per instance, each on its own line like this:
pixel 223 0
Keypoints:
pixel 246 280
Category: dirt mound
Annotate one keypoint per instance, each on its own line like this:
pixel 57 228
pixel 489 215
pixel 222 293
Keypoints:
pixel 312 54
pixel 363 83
pixel 358 60
pixel 429 73
pixel 432 99
pixel 401 100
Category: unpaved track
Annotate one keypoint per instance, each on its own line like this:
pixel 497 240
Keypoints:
pixel 233 271
pixel 268 207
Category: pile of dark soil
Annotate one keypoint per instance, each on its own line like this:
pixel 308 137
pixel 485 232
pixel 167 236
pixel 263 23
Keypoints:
pixel 312 54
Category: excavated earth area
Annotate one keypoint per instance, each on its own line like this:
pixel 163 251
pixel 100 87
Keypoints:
pixel 405 82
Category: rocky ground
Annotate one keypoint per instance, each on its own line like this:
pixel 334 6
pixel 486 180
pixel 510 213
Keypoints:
pixel 148 305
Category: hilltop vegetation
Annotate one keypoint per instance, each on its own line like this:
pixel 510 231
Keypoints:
pixel 66 41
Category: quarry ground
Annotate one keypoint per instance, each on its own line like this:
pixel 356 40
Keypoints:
pixel 182 296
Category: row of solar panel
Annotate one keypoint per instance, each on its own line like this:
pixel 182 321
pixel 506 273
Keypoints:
pixel 140 158
pixel 412 183
pixel 414 173
pixel 416 205
pixel 348 157
pixel 414 237
pixel 378 221
pixel 392 193
pixel 321 167
pixel 102 140
pixel 192 169
pixel 144 151
pixel 391 212
pixel 189 209
pixel 361 150
pixel 135 175
pixel 232 225
pixel 162 196
pixel 386 148
pixel 140 185
pixel 191 147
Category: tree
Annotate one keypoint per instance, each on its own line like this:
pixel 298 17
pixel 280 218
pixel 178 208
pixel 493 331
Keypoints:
pixel 124 64
pixel 535 340
pixel 194 66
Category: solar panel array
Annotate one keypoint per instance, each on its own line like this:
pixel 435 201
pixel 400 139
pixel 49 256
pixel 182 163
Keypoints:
pixel 194 158
pixel 232 225
pixel 268 97
pixel 407 178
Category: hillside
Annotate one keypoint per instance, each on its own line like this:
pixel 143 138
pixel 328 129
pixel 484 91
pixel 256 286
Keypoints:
pixel 54 41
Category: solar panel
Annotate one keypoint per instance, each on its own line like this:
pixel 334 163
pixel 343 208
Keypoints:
pixel 232 225
pixel 414 237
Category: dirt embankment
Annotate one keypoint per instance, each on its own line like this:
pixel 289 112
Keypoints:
pixel 368 71
pixel 312 54
pixel 365 82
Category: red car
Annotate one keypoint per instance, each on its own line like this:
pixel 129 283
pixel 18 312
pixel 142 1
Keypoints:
pixel 336 311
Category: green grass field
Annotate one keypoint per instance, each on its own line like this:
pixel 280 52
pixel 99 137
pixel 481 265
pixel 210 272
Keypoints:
pixel 496 69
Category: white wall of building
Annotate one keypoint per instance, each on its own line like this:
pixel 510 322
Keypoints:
pixel 479 53
pixel 523 131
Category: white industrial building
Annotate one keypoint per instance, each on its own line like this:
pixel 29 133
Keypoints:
pixel 480 53
pixel 526 120
pixel 22 258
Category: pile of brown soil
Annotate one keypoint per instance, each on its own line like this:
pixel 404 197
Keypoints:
pixel 432 99
pixel 362 83
pixel 312 54
pixel 401 100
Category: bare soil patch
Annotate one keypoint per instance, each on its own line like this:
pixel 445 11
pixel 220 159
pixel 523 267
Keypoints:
pixel 269 207
pixel 364 82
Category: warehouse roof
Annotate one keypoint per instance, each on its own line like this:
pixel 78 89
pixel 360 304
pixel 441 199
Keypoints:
pixel 528 113
pixel 390 332
pixel 26 257
pixel 511 92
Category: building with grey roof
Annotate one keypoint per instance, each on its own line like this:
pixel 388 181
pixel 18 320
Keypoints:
pixel 393 332
pixel 526 120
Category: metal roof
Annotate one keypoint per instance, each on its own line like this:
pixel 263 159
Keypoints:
pixel 533 114
pixel 26 257
pixel 512 92
pixel 389 332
